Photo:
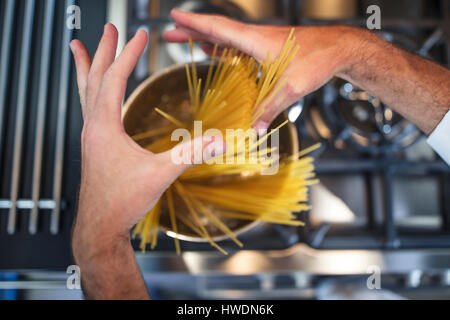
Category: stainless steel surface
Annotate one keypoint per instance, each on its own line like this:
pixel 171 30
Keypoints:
pixel 445 279
pixel 34 96
pixel 61 126
pixel 265 287
pixel 300 257
pixel 329 9
pixel 33 245
pixel 413 279
pixel 20 112
pixel 32 285
pixel 301 261
pixel 257 9
pixel 28 204
pixel 375 207
pixel 42 106
pixel 4 62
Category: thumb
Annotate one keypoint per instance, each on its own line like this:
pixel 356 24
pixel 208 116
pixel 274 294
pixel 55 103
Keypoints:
pixel 187 154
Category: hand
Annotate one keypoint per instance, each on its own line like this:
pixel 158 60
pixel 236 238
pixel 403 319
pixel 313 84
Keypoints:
pixel 120 181
pixel 323 51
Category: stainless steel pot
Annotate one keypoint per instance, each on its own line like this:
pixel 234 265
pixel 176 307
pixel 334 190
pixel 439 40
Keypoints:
pixel 168 91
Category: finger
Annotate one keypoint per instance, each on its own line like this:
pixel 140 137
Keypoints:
pixel 185 155
pixel 82 66
pixel 114 84
pixel 104 57
pixel 209 50
pixel 181 34
pixel 220 29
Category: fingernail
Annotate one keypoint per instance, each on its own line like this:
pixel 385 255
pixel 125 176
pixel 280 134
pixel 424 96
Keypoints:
pixel 140 30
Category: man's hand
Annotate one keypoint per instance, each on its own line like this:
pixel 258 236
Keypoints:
pixel 416 88
pixel 120 181
pixel 323 52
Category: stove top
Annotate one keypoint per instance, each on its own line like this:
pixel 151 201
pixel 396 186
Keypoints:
pixel 381 186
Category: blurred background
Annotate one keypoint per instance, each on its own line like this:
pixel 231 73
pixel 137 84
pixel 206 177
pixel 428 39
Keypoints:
pixel 383 203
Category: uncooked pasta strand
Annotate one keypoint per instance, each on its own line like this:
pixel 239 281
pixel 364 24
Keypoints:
pixel 170 118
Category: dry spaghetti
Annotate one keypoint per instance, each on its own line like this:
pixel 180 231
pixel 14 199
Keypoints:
pixel 232 96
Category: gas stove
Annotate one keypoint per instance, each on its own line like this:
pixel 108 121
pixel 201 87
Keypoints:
pixel 381 186
pixel 383 198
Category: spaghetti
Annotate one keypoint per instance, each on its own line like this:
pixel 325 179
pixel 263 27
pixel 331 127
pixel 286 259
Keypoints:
pixel 233 96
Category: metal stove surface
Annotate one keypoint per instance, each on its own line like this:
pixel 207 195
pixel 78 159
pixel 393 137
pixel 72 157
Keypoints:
pixel 381 186
pixel 383 200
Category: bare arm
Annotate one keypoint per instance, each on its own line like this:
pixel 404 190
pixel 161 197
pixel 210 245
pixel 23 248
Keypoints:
pixel 120 181
pixel 108 266
pixel 416 88
pixel 102 248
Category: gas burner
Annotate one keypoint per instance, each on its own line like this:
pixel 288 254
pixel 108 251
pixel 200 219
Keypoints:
pixel 349 117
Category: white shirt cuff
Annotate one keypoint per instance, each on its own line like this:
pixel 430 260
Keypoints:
pixel 439 139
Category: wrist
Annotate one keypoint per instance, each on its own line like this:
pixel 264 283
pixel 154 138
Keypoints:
pixel 91 243
pixel 358 45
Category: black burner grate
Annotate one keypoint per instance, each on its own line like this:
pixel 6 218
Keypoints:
pixel 392 183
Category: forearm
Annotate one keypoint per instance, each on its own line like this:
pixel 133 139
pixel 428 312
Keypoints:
pixel 108 266
pixel 414 87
